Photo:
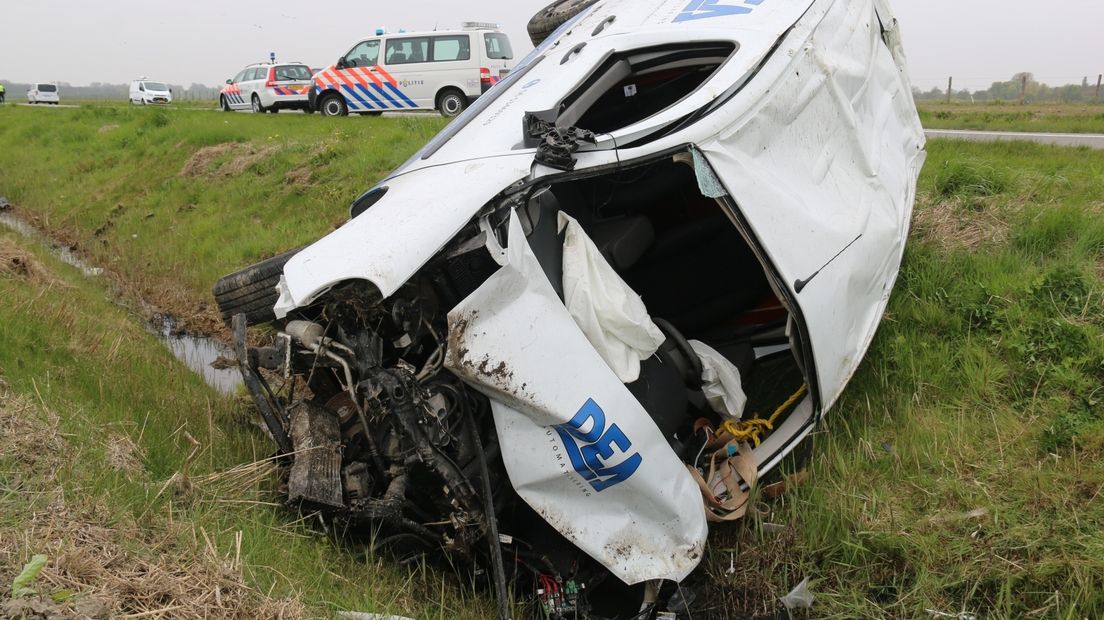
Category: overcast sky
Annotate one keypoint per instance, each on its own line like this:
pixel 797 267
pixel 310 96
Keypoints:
pixel 206 41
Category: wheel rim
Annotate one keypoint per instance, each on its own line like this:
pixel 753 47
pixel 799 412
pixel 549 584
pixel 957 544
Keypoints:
pixel 332 107
pixel 257 105
pixel 451 105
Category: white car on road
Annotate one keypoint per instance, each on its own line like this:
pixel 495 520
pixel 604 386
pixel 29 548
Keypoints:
pixel 145 92
pixel 43 92
pixel 268 87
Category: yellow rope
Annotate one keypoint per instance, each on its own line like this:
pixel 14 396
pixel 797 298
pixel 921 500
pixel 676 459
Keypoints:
pixel 749 430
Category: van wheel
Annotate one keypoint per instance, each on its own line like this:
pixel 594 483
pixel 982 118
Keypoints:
pixel 551 17
pixel 224 104
pixel 451 102
pixel 252 290
pixel 257 107
pixel 333 105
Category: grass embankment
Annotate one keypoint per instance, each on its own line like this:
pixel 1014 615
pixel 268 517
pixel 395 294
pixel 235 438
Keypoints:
pixel 170 200
pixel 1055 117
pixel 97 422
pixel 962 470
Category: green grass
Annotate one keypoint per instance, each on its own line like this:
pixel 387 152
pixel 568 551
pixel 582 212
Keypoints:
pixel 1055 117
pixel 980 391
pixel 67 348
pixel 108 178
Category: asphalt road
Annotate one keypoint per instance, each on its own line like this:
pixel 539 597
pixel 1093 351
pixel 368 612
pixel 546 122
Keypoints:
pixel 1093 141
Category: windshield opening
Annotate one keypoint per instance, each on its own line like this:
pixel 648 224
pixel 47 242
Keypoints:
pixel 157 86
pixel 633 86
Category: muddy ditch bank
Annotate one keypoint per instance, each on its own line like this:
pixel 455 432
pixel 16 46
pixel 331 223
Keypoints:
pixel 207 355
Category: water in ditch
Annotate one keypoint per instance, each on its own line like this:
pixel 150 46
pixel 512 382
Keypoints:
pixel 199 353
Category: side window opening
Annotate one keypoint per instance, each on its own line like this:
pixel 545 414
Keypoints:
pixel 405 51
pixel 632 86
pixel 452 47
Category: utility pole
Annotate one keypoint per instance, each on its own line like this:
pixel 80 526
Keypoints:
pixel 1098 78
pixel 950 83
pixel 1023 89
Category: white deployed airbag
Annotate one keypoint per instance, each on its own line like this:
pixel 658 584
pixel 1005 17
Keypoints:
pixel 720 382
pixel 611 315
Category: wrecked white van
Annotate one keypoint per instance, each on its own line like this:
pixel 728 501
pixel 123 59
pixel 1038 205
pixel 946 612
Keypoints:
pixel 577 326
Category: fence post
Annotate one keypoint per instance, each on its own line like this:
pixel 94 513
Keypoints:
pixel 950 83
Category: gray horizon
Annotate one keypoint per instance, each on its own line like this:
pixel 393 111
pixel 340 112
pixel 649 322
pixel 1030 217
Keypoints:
pixel 977 42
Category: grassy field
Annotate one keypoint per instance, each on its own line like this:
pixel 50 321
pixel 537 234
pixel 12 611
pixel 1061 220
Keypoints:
pixel 173 199
pixel 1055 117
pixel 962 471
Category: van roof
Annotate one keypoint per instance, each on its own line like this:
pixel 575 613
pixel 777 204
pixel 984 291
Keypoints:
pixel 430 33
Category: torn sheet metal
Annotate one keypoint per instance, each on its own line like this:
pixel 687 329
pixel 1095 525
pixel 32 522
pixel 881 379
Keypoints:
pixel 578 446
pixel 610 314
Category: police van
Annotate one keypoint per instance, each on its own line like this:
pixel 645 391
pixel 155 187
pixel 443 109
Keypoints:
pixel 442 70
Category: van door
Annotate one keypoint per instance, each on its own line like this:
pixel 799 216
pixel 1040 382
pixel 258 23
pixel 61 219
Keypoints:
pixel 406 61
pixel 497 54
pixel 254 80
pixel 455 64
pixel 233 91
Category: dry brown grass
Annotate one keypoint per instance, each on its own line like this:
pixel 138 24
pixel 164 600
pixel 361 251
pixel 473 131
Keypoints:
pixel 107 566
pixel 200 162
pixel 16 262
pixel 245 156
pixel 952 224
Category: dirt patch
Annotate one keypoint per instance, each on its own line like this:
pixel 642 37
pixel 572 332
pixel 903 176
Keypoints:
pixel 953 224
pixel 15 262
pixel 248 157
pixel 200 162
pixel 108 128
pixel 244 157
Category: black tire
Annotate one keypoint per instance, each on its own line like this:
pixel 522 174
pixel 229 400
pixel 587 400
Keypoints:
pixel 224 104
pixel 551 17
pixel 256 105
pixel 252 291
pixel 451 102
pixel 333 105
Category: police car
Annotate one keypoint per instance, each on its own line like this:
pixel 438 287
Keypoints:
pixel 443 70
pixel 268 87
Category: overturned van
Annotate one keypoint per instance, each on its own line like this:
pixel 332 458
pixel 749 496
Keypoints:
pixel 574 329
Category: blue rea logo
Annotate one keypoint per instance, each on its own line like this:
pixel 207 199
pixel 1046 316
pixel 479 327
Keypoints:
pixel 598 454
pixel 705 9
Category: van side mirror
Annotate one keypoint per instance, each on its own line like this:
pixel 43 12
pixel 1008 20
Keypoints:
pixel 229 81
pixel 341 63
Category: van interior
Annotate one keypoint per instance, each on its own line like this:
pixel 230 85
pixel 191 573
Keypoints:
pixel 699 279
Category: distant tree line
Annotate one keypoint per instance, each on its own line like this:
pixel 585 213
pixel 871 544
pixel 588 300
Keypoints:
pixel 1010 90
pixel 102 91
